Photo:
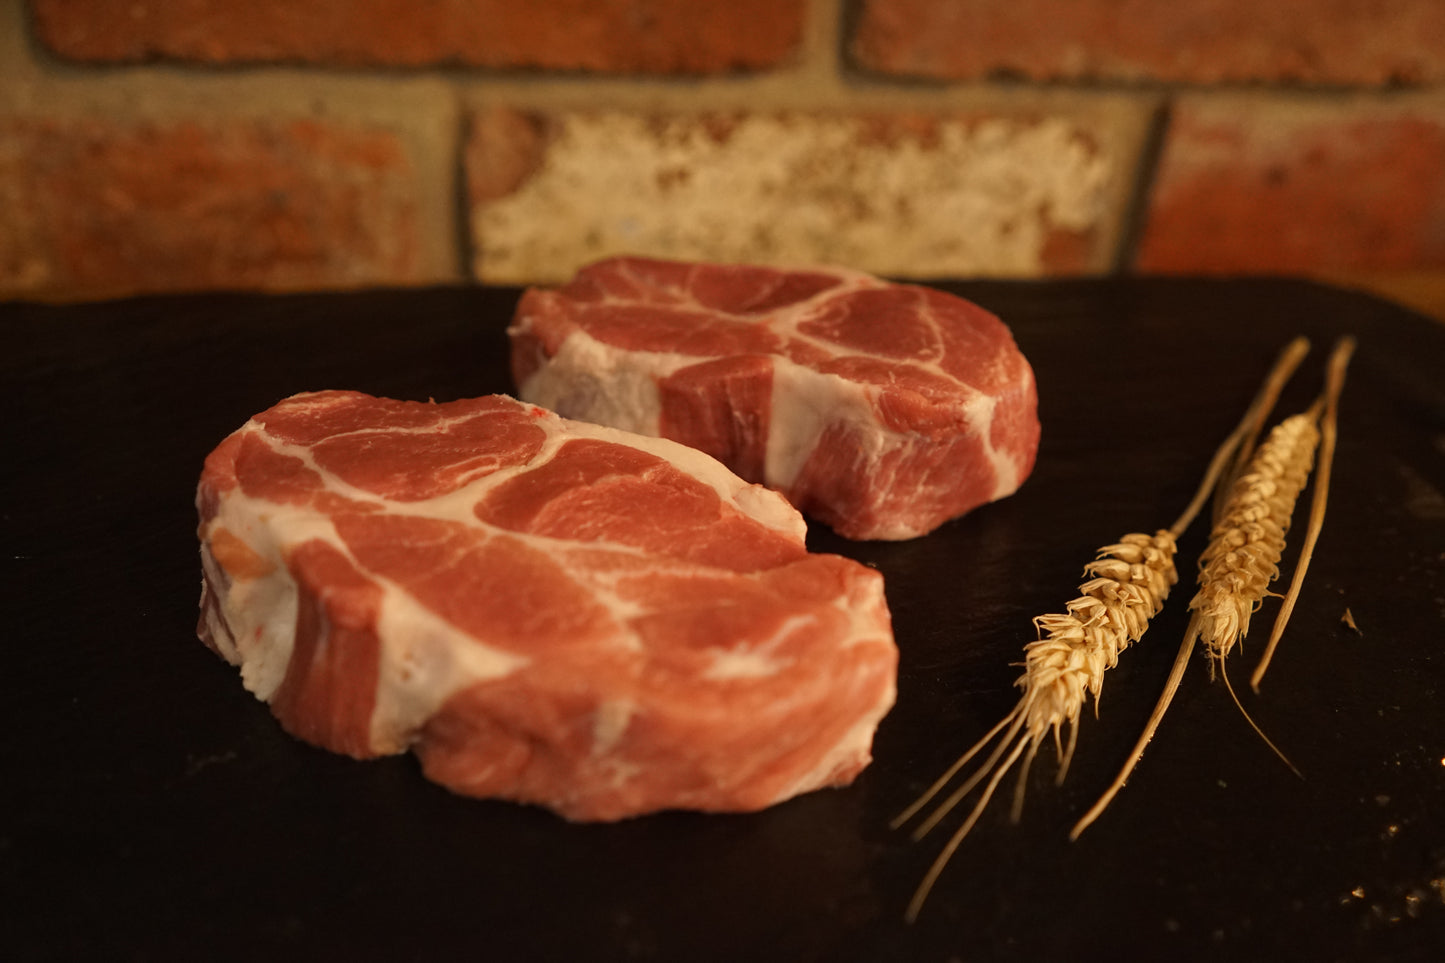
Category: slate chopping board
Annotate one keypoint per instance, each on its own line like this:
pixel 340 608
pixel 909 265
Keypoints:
pixel 152 809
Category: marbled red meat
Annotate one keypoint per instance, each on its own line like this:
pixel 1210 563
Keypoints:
pixel 542 610
pixel 881 409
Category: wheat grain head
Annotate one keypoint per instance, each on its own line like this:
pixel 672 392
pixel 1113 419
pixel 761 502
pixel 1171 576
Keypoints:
pixel 1130 581
pixel 1247 540
pixel 1126 587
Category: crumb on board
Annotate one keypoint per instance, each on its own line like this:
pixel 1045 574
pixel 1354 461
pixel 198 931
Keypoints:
pixel 1349 621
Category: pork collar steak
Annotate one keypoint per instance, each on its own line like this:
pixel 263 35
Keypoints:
pixel 542 610
pixel 880 409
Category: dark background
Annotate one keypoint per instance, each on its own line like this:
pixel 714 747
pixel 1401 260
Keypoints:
pixel 152 809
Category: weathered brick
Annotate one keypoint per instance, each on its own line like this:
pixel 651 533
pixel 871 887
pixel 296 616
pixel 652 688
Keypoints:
pixel 1185 41
pixel 99 205
pixel 700 36
pixel 907 196
pixel 1252 184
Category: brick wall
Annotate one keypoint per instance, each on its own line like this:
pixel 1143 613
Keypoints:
pixel 164 145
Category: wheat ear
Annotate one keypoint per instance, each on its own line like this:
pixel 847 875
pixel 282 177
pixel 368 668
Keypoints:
pixel 1126 586
pixel 1242 557
pixel 1334 384
pixel 1243 554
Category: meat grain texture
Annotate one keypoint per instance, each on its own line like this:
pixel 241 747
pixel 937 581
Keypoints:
pixel 544 611
pixel 882 410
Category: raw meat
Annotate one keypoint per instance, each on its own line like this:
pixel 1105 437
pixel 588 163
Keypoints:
pixel 880 409
pixel 542 610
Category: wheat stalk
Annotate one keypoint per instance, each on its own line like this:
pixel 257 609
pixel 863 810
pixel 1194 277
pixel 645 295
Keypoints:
pixel 1130 580
pixel 1127 585
pixel 1242 557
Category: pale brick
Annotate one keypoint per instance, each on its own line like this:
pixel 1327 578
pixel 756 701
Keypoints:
pixel 1184 41
pixel 906 196
pixel 647 36
pixel 1258 184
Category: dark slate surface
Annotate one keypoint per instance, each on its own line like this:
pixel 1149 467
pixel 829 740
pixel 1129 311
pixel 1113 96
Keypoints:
pixel 152 809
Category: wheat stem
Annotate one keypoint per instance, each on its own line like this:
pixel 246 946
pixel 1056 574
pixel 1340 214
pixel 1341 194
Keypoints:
pixel 1016 717
pixel 1171 686
pixel 1239 446
pixel 952 770
pixel 921 894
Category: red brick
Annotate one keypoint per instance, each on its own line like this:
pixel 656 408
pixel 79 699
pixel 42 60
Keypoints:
pixel 646 36
pixel 503 149
pixel 1297 188
pixel 1183 41
pixel 96 205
